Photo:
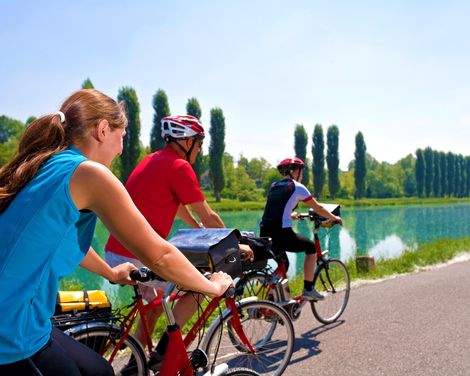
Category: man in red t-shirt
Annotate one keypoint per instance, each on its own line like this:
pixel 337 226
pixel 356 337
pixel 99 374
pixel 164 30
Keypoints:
pixel 162 186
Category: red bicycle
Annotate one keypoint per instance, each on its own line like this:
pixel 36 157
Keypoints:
pixel 331 278
pixel 257 336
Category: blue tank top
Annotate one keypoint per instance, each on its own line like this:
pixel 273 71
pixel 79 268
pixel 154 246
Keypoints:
pixel 43 237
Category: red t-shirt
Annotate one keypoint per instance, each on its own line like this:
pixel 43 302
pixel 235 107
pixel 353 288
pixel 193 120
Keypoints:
pixel 158 185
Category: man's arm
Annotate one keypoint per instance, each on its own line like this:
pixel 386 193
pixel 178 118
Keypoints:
pixel 187 217
pixel 208 217
pixel 319 209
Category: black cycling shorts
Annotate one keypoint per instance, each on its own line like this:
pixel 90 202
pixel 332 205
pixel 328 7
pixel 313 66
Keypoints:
pixel 61 356
pixel 286 240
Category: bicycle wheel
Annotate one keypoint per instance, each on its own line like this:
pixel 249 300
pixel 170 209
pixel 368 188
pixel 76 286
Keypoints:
pixel 331 280
pixel 130 358
pixel 241 372
pixel 259 284
pixel 273 344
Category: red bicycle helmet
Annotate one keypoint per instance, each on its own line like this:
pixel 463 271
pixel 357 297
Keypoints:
pixel 181 127
pixel 286 166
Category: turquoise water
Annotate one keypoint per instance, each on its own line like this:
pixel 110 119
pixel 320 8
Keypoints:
pixel 380 232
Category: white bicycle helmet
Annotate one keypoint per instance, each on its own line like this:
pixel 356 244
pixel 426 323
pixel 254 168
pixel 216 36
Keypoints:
pixel 181 127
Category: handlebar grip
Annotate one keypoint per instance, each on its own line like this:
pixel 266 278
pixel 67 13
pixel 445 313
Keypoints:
pixel 143 275
pixel 230 293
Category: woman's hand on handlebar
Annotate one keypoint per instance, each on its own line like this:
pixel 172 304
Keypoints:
pixel 221 281
pixel 295 216
pixel 121 274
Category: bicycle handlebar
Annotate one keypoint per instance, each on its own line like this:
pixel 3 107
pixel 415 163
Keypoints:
pixel 315 216
pixel 145 274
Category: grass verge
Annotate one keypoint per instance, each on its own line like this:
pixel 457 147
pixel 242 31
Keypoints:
pixel 436 252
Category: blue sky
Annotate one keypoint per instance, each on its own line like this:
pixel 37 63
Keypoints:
pixel 399 71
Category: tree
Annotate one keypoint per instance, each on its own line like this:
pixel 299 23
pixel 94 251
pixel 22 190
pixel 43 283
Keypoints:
pixel 467 189
pixel 408 166
pixel 162 109
pixel 450 174
pixel 318 164
pixel 193 109
pixel 300 147
pixel 436 179
pixel 428 171
pixel 332 159
pixel 216 151
pixel 443 168
pixel 30 120
pixel 10 133
pixel 131 143
pixel 420 171
pixel 360 169
pixel 87 84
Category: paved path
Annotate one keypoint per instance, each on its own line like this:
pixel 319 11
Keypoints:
pixel 416 324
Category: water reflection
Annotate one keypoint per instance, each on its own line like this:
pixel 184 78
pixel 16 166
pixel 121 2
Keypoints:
pixel 380 232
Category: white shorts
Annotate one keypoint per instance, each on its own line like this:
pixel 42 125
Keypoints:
pixel 149 289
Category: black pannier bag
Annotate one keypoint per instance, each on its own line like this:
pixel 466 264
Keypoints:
pixel 262 250
pixel 261 247
pixel 210 249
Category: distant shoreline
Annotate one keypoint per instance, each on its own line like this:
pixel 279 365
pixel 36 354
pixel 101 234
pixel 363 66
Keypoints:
pixel 234 205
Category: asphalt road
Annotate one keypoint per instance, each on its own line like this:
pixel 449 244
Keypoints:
pixel 417 324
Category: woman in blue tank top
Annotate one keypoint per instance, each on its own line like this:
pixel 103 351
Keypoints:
pixel 51 193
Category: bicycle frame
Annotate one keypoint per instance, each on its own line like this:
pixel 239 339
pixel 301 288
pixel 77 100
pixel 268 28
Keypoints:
pixel 177 345
pixel 281 270
pixel 180 362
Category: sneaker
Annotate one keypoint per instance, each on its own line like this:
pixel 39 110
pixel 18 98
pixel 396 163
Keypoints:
pixel 155 361
pixel 312 295
pixel 130 369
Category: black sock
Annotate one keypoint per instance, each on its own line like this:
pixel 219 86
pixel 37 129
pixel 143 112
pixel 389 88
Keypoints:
pixel 308 285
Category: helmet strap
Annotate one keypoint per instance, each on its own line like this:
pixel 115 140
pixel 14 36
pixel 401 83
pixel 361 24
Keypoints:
pixel 187 153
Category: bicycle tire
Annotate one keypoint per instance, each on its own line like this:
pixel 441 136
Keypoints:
pixel 331 280
pixel 273 350
pixel 103 339
pixel 257 283
pixel 239 371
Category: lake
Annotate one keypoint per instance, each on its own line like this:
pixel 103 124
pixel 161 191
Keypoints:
pixel 383 232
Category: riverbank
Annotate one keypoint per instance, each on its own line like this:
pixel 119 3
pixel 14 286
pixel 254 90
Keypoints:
pixel 435 253
pixel 235 205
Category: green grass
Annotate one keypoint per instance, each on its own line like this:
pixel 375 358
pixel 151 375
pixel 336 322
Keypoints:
pixel 433 253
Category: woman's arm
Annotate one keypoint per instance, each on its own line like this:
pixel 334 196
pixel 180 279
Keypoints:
pixel 119 274
pixel 94 187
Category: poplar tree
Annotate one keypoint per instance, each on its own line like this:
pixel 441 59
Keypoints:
pixel 428 174
pixel 161 109
pixel 194 109
pixel 332 159
pixel 300 147
pixel 360 170
pixel 443 168
pixel 216 152
pixel 450 174
pixel 87 84
pixel 436 178
pixel 420 172
pixel 131 143
pixel 318 164
pixel 467 166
